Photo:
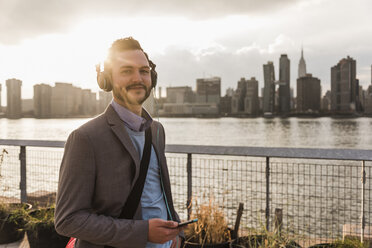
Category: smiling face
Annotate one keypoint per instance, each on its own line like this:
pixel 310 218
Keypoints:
pixel 131 78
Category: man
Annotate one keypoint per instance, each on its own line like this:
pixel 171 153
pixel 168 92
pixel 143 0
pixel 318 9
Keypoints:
pixel 101 164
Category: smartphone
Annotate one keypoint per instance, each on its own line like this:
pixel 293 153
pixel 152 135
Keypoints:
pixel 187 222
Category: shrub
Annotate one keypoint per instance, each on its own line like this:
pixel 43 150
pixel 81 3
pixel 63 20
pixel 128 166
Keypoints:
pixel 211 227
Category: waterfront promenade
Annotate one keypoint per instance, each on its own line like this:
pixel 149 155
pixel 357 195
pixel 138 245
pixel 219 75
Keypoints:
pixel 19 244
pixel 319 191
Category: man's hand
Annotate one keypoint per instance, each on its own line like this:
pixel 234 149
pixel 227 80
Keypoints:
pixel 161 231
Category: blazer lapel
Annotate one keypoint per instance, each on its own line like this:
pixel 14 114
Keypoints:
pixel 117 127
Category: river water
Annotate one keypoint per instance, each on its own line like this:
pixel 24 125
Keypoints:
pixel 323 132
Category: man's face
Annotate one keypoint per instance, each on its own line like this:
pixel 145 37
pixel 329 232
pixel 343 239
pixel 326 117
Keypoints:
pixel 131 77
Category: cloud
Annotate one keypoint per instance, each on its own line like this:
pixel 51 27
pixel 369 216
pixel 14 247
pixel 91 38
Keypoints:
pixel 179 67
pixel 281 44
pixel 253 47
pixel 202 40
pixel 194 8
pixel 27 19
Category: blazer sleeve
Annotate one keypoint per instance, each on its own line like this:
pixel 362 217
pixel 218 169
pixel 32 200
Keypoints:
pixel 74 215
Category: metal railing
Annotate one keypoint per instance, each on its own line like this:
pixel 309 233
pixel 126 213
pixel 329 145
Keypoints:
pixel 323 193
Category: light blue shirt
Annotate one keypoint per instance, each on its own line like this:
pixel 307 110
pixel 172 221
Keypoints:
pixel 130 119
pixel 152 198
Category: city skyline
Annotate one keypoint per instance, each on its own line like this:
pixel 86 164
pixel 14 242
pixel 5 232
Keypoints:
pixel 281 81
pixel 63 42
pixel 346 97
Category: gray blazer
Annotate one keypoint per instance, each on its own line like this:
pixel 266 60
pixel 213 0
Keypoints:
pixel 99 168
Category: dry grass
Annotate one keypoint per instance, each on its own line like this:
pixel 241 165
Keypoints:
pixel 2 154
pixel 211 227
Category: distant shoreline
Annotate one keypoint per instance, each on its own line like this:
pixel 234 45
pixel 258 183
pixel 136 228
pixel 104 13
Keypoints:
pixel 214 116
pixel 296 115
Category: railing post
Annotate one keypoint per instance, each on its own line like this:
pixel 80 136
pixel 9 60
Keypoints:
pixel 189 185
pixel 362 212
pixel 238 218
pixel 22 184
pixel 278 220
pixel 267 212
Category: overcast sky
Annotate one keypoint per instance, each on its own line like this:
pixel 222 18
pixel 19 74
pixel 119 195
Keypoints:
pixel 48 41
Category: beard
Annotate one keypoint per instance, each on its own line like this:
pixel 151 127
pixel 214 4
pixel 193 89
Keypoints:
pixel 120 92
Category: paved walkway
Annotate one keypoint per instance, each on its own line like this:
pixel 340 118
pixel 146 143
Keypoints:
pixel 19 244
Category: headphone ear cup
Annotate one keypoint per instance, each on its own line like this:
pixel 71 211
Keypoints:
pixel 104 81
pixel 154 78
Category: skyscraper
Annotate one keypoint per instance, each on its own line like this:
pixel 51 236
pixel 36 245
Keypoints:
pixel 245 99
pixel 308 94
pixel 14 103
pixel 180 94
pixel 368 100
pixel 269 88
pixel 66 100
pixel 302 66
pixel 284 85
pixel 238 97
pixel 42 100
pixel 326 102
pixel 344 87
pixel 208 90
pixel 251 102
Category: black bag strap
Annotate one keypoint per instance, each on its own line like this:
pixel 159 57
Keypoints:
pixel 134 197
pixel 133 200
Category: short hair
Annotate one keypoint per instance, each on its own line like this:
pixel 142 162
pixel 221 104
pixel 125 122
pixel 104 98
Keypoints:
pixel 120 45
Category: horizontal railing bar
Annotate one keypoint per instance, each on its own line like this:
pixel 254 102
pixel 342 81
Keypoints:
pixel 36 143
pixel 274 152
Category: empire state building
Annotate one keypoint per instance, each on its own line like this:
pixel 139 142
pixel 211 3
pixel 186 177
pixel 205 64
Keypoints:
pixel 302 66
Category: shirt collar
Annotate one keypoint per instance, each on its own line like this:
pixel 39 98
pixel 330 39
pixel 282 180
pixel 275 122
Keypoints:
pixel 130 119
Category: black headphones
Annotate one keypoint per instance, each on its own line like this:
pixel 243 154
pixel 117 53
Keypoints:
pixel 104 79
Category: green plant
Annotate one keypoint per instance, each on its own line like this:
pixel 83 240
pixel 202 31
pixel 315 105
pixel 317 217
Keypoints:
pixel 12 221
pixel 40 230
pixel 211 227
pixel 265 239
pixel 351 243
pixel 40 219
pixel 14 213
